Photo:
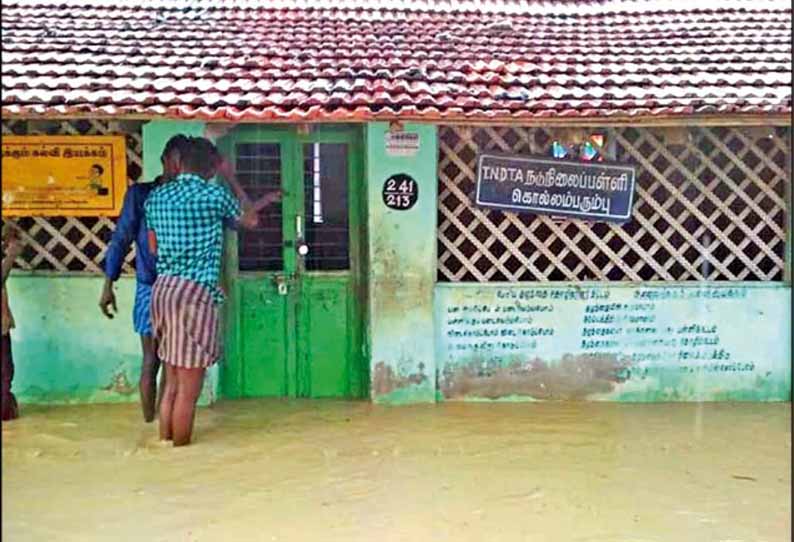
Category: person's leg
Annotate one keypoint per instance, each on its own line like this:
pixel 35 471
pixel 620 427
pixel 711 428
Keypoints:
pixel 167 403
pixel 189 383
pixel 148 381
pixel 142 322
pixel 8 401
pixel 162 374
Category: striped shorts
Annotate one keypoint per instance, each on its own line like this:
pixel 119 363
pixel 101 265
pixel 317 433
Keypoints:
pixel 185 322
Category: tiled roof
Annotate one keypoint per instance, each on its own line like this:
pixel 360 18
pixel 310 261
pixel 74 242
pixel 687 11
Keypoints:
pixel 341 60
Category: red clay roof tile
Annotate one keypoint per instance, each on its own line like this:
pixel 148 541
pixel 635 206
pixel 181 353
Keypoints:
pixel 346 60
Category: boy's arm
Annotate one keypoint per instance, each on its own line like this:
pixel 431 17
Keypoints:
pixel 245 213
pixel 12 253
pixel 226 170
pixel 8 264
pixel 126 229
pixel 250 218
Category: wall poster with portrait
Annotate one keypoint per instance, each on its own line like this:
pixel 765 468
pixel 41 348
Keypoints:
pixel 63 175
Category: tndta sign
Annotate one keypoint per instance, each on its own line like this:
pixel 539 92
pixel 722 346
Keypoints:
pixel 601 192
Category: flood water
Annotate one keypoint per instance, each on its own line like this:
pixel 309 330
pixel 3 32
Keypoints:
pixel 332 471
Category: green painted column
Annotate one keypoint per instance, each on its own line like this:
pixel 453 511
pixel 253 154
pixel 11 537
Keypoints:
pixel 402 267
pixel 155 135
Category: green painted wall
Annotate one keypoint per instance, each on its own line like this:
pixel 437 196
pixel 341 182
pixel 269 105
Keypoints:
pixel 402 267
pixel 65 350
pixel 617 342
pixel 155 135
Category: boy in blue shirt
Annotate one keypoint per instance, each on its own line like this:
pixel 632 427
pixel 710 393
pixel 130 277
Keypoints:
pixel 131 227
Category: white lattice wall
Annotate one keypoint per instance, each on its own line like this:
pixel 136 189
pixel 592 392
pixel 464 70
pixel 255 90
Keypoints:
pixel 72 244
pixel 711 204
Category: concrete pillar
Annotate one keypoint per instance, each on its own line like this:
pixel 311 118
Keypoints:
pixel 402 270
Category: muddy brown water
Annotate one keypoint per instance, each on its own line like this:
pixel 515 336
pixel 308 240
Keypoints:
pixel 335 471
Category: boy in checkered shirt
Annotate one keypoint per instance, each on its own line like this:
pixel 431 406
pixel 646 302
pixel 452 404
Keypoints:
pixel 186 219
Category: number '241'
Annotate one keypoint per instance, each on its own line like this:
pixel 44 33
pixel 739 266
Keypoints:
pixel 406 187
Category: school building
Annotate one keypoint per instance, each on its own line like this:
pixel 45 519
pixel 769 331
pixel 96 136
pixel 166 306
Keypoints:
pixel 387 273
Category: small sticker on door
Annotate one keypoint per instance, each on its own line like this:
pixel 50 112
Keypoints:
pixel 400 192
pixel 402 143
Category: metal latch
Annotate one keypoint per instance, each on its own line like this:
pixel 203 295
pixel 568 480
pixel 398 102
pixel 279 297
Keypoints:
pixel 281 284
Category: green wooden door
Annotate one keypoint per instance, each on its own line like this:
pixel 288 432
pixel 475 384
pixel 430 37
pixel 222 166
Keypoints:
pixel 293 323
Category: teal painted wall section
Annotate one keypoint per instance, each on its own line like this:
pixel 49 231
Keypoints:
pixel 402 260
pixel 693 342
pixel 155 135
pixel 65 350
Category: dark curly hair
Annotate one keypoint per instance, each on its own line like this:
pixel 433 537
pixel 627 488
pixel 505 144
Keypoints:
pixel 179 143
pixel 202 157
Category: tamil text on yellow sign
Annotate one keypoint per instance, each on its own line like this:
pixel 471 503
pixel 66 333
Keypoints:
pixel 63 175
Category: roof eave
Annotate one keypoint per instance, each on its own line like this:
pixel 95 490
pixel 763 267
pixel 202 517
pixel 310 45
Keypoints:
pixel 776 118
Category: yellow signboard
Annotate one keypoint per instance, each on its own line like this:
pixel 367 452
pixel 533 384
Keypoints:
pixel 63 175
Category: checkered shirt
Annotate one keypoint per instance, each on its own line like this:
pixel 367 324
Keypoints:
pixel 187 215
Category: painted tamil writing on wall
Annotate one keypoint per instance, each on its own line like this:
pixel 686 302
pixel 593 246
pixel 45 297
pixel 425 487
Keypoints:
pixel 625 343
pixel 64 175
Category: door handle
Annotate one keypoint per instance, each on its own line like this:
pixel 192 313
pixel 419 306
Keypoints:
pixel 301 246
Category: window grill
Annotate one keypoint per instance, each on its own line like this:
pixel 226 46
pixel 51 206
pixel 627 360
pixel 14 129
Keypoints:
pixel 711 204
pixel 74 244
pixel 259 172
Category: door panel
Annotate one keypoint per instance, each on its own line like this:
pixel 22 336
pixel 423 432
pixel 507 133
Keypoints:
pixel 324 342
pixel 263 339
pixel 263 348
pixel 324 319
pixel 295 317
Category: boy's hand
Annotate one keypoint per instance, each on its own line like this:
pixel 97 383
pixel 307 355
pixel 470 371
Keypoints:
pixel 216 130
pixel 250 219
pixel 267 199
pixel 107 300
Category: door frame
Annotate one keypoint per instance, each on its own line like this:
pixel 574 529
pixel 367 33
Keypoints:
pixel 292 138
